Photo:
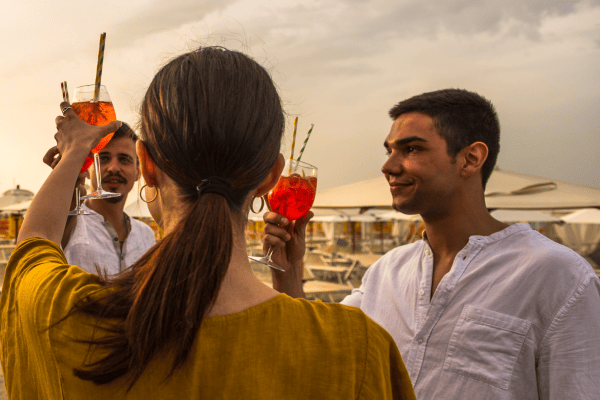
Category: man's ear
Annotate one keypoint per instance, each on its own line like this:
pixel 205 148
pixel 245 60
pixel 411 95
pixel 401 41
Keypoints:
pixel 146 165
pixel 473 157
pixel 138 171
pixel 271 180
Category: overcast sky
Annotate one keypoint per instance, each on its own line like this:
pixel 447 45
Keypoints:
pixel 339 64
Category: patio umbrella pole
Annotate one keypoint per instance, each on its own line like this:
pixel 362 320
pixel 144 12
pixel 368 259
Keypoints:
pixel 353 238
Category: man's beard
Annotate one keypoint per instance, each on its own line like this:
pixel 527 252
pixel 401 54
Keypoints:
pixel 123 181
pixel 114 200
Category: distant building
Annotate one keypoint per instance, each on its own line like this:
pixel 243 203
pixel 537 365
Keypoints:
pixel 10 221
pixel 14 196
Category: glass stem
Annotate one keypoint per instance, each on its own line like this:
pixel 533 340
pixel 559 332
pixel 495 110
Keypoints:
pixel 272 248
pixel 269 253
pixel 77 197
pixel 98 174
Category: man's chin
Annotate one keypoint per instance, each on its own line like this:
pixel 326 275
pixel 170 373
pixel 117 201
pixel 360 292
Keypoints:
pixel 114 200
pixel 404 208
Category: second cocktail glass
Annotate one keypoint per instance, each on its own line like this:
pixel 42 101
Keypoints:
pixel 292 197
pixel 97 111
pixel 78 210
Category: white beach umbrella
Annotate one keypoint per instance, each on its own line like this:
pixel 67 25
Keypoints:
pixel 398 216
pixel 584 216
pixel 18 207
pixel 504 190
pixel 523 216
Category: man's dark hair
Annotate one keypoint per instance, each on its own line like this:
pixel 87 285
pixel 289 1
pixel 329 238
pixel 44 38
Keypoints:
pixel 461 118
pixel 125 131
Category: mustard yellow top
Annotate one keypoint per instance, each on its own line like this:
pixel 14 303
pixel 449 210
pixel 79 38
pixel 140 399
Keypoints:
pixel 283 348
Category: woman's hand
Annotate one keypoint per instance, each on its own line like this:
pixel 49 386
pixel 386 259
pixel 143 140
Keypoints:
pixel 288 240
pixel 288 249
pixel 47 214
pixel 75 136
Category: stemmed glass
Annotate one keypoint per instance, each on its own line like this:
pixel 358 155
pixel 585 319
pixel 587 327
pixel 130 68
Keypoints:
pixel 95 111
pixel 78 210
pixel 292 197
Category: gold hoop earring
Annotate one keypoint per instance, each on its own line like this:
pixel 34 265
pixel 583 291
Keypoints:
pixel 142 197
pixel 262 205
pixel 266 200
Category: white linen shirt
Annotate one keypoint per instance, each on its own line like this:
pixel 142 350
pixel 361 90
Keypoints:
pixel 516 317
pixel 94 241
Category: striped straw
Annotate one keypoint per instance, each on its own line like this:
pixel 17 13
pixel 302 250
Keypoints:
pixel 293 143
pixel 294 137
pixel 65 91
pixel 305 141
pixel 99 66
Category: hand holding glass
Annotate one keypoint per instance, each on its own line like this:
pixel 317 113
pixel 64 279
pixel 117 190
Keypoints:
pixel 97 112
pixel 292 197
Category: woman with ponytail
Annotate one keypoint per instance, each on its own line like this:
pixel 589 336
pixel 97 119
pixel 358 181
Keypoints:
pixel 189 320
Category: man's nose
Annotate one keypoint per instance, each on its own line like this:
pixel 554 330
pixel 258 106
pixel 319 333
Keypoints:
pixel 112 165
pixel 392 166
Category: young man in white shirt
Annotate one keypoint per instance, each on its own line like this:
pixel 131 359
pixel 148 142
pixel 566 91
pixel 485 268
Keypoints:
pixel 108 237
pixel 478 309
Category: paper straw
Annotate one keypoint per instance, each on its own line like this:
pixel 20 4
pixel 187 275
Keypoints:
pixel 294 137
pixel 293 144
pixel 99 66
pixel 65 91
pixel 305 141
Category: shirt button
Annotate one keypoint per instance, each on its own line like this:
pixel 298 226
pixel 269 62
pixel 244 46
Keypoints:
pixel 419 340
pixel 426 252
pixel 421 292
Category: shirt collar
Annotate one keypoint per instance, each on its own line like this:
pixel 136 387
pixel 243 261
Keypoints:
pixel 127 218
pixel 496 236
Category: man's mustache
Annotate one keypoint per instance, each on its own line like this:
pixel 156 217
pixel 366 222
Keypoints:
pixel 120 178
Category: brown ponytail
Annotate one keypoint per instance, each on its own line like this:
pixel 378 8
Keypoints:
pixel 209 113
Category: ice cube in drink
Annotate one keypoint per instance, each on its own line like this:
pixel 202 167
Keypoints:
pixel 97 113
pixel 293 196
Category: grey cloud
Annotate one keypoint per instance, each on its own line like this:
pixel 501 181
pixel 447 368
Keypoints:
pixel 154 18
pixel 163 16
pixel 366 28
pixel 464 16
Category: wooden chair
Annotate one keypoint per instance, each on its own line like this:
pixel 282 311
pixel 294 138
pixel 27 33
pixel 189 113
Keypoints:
pixel 313 289
pixel 333 264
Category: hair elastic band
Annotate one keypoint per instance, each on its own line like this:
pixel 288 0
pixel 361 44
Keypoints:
pixel 215 184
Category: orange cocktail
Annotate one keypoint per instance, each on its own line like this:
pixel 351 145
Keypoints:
pixel 293 195
pixel 97 113
pixel 95 108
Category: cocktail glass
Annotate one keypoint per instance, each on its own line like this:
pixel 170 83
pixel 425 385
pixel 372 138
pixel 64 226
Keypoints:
pixel 292 197
pixel 95 111
pixel 78 210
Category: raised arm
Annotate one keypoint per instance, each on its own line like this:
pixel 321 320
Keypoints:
pixel 289 249
pixel 51 158
pixel 47 214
